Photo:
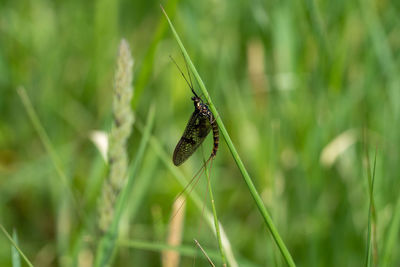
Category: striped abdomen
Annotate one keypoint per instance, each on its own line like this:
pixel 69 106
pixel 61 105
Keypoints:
pixel 205 111
pixel 215 131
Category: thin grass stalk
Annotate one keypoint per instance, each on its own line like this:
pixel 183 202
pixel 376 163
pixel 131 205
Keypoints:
pixel 108 242
pixel 371 211
pixel 179 176
pixel 392 235
pixel 253 191
pixel 15 245
pixel 44 138
pixel 205 254
pixel 15 256
pixel 368 254
pixel 380 44
pixel 214 210
pixel 159 247
pixel 374 219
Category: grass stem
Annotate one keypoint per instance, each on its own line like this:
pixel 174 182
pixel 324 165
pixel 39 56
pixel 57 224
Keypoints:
pixel 253 191
pixel 15 245
pixel 214 210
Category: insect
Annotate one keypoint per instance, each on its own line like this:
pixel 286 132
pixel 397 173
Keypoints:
pixel 200 124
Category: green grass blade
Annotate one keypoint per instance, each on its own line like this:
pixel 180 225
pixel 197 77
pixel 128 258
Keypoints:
pixel 391 238
pixel 371 211
pixel 133 169
pixel 214 210
pixel 206 255
pixel 159 247
pixel 253 191
pixel 15 256
pixel 48 145
pixel 15 245
pixel 368 254
pixel 107 244
pixel 179 176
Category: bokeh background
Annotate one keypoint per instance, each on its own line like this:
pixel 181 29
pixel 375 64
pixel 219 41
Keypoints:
pixel 308 90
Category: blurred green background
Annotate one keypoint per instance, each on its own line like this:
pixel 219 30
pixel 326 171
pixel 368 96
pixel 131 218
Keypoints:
pixel 307 89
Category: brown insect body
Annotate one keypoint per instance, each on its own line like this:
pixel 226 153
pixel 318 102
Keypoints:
pixel 198 127
pixel 203 108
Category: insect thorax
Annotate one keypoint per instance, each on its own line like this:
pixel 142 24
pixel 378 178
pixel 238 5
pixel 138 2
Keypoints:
pixel 202 108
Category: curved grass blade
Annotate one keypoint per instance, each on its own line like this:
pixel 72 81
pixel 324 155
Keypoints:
pixel 107 243
pixel 179 176
pixel 371 211
pixel 214 210
pixel 15 256
pixel 15 245
pixel 205 253
pixel 253 191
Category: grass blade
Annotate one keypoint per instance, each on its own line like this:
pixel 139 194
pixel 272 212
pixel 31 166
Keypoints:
pixel 108 242
pixel 159 247
pixel 48 145
pixel 15 245
pixel 371 212
pixel 15 256
pixel 205 254
pixel 179 176
pixel 253 191
pixel 214 210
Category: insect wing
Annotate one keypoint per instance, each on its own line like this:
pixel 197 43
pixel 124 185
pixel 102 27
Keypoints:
pixel 195 132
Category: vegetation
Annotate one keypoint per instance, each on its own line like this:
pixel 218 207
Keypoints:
pixel 309 93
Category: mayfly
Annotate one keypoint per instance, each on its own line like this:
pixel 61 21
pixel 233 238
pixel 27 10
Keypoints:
pixel 199 126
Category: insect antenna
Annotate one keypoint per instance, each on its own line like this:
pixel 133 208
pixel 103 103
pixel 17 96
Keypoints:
pixel 187 69
pixel 183 75
pixel 190 79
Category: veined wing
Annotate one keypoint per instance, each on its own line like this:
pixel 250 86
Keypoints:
pixel 195 132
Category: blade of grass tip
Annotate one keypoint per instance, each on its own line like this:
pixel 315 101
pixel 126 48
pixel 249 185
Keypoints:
pixel 15 245
pixel 15 257
pixel 48 145
pixel 205 254
pixel 179 176
pixel 107 243
pixel 214 210
pixel 253 191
